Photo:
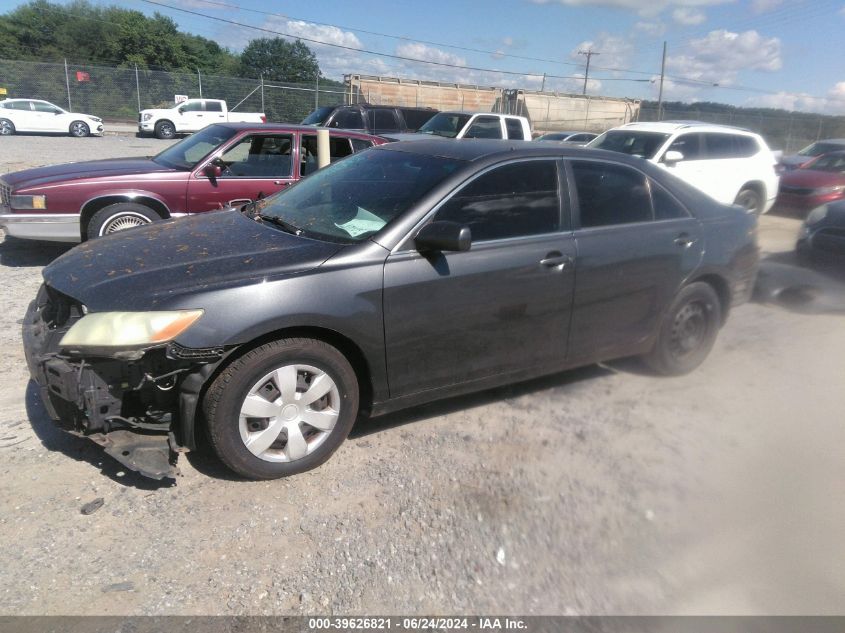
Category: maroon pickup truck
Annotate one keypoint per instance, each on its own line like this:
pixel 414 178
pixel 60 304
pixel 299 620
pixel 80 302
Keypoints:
pixel 226 164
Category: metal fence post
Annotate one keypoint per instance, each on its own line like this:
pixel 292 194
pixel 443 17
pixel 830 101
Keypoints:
pixel 317 93
pixel 263 109
pixel 199 78
pixel 137 87
pixel 67 83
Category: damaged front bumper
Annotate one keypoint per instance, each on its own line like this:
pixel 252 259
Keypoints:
pixel 141 410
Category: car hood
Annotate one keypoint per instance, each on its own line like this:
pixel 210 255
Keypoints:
pixel 412 136
pixel 152 266
pixel 811 178
pixel 794 160
pixel 88 169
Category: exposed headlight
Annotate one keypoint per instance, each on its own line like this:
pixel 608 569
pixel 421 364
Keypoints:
pixel 28 202
pixel 122 330
pixel 822 191
pixel 146 117
pixel 95 118
pixel 816 215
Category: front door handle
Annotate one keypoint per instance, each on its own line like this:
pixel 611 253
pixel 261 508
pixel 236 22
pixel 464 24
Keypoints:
pixel 556 260
pixel 684 240
pixel 239 202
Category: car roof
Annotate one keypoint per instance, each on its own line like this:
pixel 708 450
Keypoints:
pixel 669 127
pixel 835 141
pixel 470 112
pixel 478 149
pixel 289 127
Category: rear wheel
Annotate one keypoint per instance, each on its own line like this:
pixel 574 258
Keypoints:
pixel 165 130
pixel 79 129
pixel 688 331
pixel 7 128
pixel 282 408
pixel 750 199
pixel 119 217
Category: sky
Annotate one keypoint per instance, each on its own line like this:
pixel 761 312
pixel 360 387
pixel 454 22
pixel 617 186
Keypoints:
pixel 770 53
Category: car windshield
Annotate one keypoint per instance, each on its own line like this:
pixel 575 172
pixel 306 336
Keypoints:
pixel 356 197
pixel 319 116
pixel 633 142
pixel 185 154
pixel 817 149
pixel 445 124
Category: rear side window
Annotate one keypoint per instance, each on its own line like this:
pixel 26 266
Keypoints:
pixel 383 120
pixel 719 146
pixel 509 201
pixel 665 205
pixel 515 131
pixel 414 119
pixel 745 146
pixel 485 127
pixel 610 194
pixel 339 147
pixel 689 145
pixel 358 144
pixel 348 119
pixel 19 105
pixel 213 106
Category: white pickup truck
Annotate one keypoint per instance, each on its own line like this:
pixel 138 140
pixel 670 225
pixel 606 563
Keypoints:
pixel 191 116
pixel 470 125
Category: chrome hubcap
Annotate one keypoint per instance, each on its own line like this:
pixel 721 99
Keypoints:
pixel 123 222
pixel 79 129
pixel 5 128
pixel 289 413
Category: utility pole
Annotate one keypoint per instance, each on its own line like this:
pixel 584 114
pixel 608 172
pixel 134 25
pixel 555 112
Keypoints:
pixel 589 54
pixel 543 85
pixel 660 94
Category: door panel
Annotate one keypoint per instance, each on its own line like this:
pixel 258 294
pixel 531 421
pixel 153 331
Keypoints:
pixel 457 317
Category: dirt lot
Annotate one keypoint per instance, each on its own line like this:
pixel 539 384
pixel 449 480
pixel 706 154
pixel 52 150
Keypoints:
pixel 597 491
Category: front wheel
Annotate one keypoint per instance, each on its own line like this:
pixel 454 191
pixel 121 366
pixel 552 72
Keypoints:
pixel 751 200
pixel 165 130
pixel 282 408
pixel 688 331
pixel 119 217
pixel 79 129
pixel 7 128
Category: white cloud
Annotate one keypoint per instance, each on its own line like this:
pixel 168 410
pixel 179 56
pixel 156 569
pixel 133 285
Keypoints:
pixel 613 51
pixel 429 53
pixel 650 29
pixel 762 6
pixel 643 7
pixel 722 54
pixel 688 16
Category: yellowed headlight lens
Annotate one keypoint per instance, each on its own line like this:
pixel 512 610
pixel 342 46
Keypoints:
pixel 128 329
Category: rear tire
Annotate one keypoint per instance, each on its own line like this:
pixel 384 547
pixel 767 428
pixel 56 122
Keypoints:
pixel 751 200
pixel 688 331
pixel 274 381
pixel 165 130
pixel 119 217
pixel 79 129
pixel 7 128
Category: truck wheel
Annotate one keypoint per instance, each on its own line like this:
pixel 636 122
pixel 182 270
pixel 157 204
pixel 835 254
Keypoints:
pixel 165 130
pixel 281 408
pixel 687 332
pixel 7 128
pixel 119 217
pixel 79 129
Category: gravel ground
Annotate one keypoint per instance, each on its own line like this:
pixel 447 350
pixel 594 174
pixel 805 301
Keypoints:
pixel 597 491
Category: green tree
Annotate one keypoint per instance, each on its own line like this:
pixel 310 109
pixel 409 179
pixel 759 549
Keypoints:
pixel 278 60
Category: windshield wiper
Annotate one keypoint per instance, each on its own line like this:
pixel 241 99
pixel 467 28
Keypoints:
pixel 286 226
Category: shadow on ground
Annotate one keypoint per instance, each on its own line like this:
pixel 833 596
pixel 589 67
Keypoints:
pixel 819 289
pixel 17 253
pixel 54 438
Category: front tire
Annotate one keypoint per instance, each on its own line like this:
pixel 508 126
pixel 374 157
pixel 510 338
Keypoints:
pixel 7 128
pixel 79 129
pixel 119 217
pixel 751 200
pixel 688 331
pixel 282 408
pixel 165 130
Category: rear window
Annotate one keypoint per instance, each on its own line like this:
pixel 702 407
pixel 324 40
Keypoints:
pixel 632 142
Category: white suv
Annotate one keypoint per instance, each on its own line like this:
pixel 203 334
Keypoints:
pixel 730 164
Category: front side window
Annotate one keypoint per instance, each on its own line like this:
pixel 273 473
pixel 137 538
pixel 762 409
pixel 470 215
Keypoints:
pixel 632 142
pixel 348 119
pixel 510 201
pixel 185 154
pixel 445 124
pixel 414 119
pixel 318 116
pixel 485 127
pixel 258 156
pixel 515 131
pixel 610 194
pixel 383 120
pixel 191 106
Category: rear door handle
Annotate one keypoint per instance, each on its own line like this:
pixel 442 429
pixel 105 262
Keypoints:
pixel 684 240
pixel 556 260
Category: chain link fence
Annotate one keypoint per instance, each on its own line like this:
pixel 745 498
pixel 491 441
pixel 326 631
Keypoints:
pixel 119 93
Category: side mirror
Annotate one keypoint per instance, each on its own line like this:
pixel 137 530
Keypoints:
pixel 213 170
pixel 182 110
pixel 443 236
pixel 672 156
